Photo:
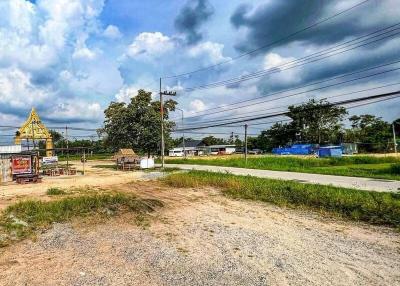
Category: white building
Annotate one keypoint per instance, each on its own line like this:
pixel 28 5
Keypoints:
pixel 192 148
pixel 220 149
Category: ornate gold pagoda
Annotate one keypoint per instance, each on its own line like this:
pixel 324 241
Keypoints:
pixel 33 129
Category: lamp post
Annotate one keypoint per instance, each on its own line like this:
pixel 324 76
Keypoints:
pixel 183 134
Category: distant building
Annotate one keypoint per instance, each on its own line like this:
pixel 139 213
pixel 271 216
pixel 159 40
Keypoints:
pixel 220 149
pixel 192 148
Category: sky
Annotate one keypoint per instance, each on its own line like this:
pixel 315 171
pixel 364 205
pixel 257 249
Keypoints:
pixel 70 58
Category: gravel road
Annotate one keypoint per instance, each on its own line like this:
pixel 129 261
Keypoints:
pixel 203 238
pixel 368 184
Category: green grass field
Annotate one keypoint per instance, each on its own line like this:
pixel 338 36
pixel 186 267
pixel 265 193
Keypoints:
pixel 372 207
pixel 357 166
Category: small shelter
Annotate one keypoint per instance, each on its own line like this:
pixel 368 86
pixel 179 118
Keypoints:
pixel 126 159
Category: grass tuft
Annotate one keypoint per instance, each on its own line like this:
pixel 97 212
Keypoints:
pixel 372 207
pixel 24 218
pixel 55 192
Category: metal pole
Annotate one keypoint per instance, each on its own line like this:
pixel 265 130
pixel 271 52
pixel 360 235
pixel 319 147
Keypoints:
pixel 162 127
pixel 394 139
pixel 66 137
pixel 245 143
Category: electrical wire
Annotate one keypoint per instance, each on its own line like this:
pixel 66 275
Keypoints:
pixel 296 63
pixel 390 94
pixel 224 107
pixel 271 43
pixel 299 93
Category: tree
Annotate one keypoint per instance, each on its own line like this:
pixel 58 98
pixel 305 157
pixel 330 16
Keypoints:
pixel 312 122
pixel 317 121
pixel 279 134
pixel 211 140
pixel 372 133
pixel 175 142
pixel 234 140
pixel 137 125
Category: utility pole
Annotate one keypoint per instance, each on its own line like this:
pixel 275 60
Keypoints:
pixel 172 93
pixel 394 138
pixel 183 134
pixel 84 159
pixel 66 137
pixel 245 143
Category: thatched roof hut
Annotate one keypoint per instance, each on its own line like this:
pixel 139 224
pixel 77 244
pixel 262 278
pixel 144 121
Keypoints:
pixel 125 153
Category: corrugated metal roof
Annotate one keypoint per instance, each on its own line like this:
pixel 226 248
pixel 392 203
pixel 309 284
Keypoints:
pixel 193 143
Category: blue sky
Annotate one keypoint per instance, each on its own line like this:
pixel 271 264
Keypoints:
pixel 70 58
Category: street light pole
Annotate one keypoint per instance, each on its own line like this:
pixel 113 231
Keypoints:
pixel 183 135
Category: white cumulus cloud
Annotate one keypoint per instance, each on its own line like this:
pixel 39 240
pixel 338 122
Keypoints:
pixel 149 44
pixel 213 52
pixel 112 32
pixel 197 105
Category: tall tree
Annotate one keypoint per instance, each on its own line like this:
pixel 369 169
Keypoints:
pixel 312 122
pixel 279 134
pixel 372 133
pixel 317 121
pixel 137 125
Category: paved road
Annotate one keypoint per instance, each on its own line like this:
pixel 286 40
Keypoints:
pixel 369 184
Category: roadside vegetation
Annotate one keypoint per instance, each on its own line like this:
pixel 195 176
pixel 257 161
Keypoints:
pixel 24 218
pixel 372 207
pixel 355 166
pixel 55 192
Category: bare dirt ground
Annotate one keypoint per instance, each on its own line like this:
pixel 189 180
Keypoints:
pixel 201 237
pixel 95 176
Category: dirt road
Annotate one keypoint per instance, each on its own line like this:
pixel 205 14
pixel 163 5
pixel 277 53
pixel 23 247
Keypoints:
pixel 201 237
pixel 368 184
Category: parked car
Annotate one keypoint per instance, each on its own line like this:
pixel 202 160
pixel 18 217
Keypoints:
pixel 255 151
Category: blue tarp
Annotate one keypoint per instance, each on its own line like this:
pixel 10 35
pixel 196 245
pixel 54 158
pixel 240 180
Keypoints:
pixel 296 149
pixel 330 151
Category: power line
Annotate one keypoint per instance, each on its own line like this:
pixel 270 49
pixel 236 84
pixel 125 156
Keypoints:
pixel 339 95
pixel 286 106
pixel 223 107
pixel 301 61
pixel 216 133
pixel 271 43
pixel 348 101
pixel 304 92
